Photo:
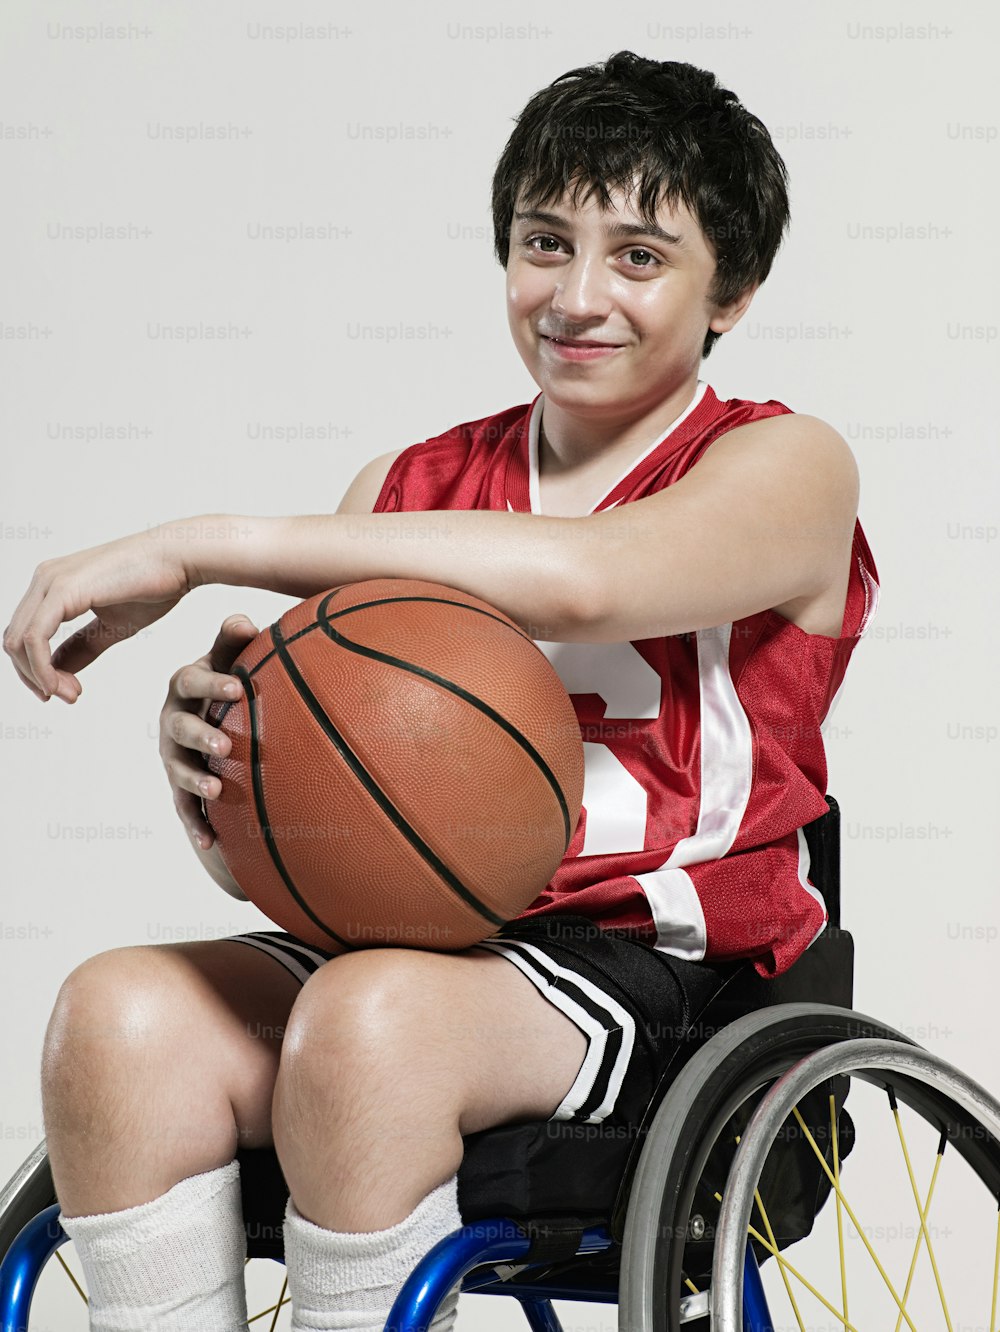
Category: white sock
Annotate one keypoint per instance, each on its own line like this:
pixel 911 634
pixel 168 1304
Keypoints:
pixel 174 1264
pixel 346 1281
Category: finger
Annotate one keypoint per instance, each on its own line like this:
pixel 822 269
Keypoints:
pixel 38 666
pixel 190 731
pixel 35 658
pixel 85 646
pixel 32 660
pixel 189 810
pixel 39 693
pixel 234 635
pixel 187 776
pixel 198 681
pixel 13 636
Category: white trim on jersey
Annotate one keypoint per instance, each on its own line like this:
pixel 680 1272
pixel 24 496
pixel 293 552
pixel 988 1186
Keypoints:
pixel 726 755
pixel 591 1026
pixel 676 912
pixel 534 421
pixel 726 780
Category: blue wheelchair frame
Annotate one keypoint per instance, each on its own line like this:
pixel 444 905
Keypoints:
pixel 449 1261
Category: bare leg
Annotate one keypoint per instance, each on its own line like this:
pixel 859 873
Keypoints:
pixel 159 1061
pixel 393 1054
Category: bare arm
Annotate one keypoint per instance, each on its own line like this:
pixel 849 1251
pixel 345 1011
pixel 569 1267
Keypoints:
pixel 763 519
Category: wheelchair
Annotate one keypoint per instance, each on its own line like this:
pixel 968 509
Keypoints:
pixel 688 1222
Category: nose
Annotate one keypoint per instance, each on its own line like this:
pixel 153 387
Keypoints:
pixel 581 294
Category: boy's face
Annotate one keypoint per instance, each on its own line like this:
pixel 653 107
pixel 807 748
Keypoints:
pixel 644 296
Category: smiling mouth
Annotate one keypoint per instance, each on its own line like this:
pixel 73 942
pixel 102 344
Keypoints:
pixel 575 342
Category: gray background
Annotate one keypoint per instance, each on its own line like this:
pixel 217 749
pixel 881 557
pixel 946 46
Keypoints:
pixel 385 130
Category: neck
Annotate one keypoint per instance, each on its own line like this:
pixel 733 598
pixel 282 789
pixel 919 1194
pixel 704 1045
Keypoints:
pixel 569 442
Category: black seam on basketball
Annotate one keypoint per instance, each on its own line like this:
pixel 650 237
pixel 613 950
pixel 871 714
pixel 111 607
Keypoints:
pixel 385 601
pixel 464 694
pixel 371 786
pixel 261 806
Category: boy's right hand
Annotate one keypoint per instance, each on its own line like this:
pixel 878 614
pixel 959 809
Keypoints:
pixel 184 732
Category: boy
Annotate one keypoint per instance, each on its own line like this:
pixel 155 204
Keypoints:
pixel 696 573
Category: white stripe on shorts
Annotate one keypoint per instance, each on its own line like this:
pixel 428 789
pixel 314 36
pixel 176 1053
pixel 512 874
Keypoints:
pixel 591 1025
pixel 284 951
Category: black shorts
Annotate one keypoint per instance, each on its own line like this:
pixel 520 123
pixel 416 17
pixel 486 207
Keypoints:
pixel 632 1002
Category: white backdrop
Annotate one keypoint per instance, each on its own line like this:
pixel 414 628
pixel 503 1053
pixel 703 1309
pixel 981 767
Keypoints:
pixel 179 131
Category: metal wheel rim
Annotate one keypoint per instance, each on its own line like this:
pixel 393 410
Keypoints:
pixel 854 1057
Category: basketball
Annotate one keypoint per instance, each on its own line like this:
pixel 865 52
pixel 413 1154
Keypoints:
pixel 406 768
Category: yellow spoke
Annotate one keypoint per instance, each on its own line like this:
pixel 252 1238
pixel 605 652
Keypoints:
pixel 272 1308
pixel 65 1268
pixel 840 1216
pixel 850 1212
pixel 691 1286
pixel 996 1275
pixel 281 1300
pixel 783 1263
pixel 916 1199
pixel 920 1236
pixel 784 1275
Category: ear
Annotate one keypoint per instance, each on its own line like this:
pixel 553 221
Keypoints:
pixel 728 316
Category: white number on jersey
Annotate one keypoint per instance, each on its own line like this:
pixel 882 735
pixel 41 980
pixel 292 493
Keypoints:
pixel 615 801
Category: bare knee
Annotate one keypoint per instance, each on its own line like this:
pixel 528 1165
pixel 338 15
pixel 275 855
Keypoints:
pixel 171 1029
pixel 348 1009
pixel 354 1033
pixel 103 1003
pixel 110 1010
pixel 137 1078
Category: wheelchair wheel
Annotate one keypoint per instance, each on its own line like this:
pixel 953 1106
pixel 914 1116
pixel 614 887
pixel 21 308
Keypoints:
pixel 670 1225
pixel 919 1278
pixel 673 1265
pixel 30 1191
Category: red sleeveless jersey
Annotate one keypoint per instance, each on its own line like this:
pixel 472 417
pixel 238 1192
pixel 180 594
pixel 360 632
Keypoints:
pixel 703 753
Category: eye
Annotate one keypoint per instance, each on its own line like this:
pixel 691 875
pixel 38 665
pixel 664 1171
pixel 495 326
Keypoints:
pixel 651 261
pixel 530 242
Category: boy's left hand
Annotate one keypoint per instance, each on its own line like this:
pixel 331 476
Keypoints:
pixel 127 583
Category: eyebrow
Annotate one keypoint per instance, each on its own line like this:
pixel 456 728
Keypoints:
pixel 616 230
